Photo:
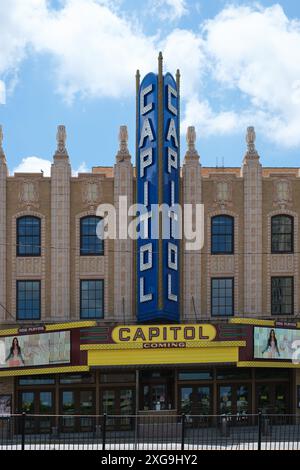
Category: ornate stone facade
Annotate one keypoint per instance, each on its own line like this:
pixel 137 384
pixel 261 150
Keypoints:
pixel 250 194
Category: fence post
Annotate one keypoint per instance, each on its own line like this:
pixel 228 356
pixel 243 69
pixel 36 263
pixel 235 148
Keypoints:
pixel 182 430
pixel 23 418
pixel 104 432
pixel 259 430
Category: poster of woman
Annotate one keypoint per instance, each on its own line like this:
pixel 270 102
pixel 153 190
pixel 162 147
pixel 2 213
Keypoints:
pixel 15 358
pixel 275 343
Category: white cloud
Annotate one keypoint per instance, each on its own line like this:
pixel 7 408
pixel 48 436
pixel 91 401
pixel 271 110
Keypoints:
pixel 250 51
pixel 199 113
pixel 168 9
pixel 36 165
pixel 2 92
pixel 254 51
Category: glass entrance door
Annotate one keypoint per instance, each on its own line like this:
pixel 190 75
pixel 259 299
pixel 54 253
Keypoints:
pixel 196 400
pixel 38 404
pixel 272 398
pixel 118 402
pixel 235 400
pixel 81 403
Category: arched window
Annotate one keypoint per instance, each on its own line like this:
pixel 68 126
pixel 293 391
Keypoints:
pixel 282 238
pixel 29 236
pixel 222 230
pixel 90 243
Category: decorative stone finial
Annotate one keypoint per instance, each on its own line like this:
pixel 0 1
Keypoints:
pixel 191 140
pixel 61 138
pixel 250 139
pixel 2 155
pixel 123 153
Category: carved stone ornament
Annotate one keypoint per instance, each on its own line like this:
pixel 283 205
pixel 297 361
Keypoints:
pixel 91 193
pixel 191 141
pixel 1 141
pixel 2 154
pixel 123 153
pixel 29 194
pixel 223 193
pixel 250 139
pixel 61 138
pixel 283 196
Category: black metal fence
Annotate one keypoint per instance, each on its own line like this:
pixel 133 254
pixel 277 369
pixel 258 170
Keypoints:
pixel 150 432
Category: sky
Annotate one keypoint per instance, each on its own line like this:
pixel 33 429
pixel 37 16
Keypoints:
pixel 73 62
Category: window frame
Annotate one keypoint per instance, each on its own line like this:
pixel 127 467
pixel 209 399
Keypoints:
pixel 26 255
pixel 211 296
pixel 292 234
pixel 17 299
pixel 293 297
pixel 81 235
pixel 80 305
pixel 213 251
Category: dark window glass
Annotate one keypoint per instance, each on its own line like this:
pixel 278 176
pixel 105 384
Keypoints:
pixel 195 375
pixel 273 374
pixel 28 300
pixel 92 299
pixel 282 234
pixel 90 243
pixel 222 228
pixel 156 374
pixel 118 378
pixel 233 374
pixel 77 379
pixel 222 296
pixel 282 295
pixel 28 236
pixel 37 380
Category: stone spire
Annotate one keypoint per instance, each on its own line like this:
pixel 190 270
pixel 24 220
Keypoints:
pixel 250 139
pixel 2 154
pixel 123 153
pixel 191 140
pixel 61 138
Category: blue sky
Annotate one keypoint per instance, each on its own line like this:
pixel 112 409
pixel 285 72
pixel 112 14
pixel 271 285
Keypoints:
pixel 73 62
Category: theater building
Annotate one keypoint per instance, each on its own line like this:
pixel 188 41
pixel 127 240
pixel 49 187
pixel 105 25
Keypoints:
pixel 118 326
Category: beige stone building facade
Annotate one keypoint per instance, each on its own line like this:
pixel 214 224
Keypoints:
pixel 247 273
pixel 251 195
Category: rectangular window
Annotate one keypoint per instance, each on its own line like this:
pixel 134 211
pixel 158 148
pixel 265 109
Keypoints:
pixel 28 300
pixel 37 380
pixel 282 295
pixel 195 375
pixel 92 299
pixel 222 298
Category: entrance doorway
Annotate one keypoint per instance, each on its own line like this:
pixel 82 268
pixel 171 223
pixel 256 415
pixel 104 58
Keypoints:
pixel 156 390
pixel 235 399
pixel 77 402
pixel 196 400
pixel 272 398
pixel 39 403
pixel 118 402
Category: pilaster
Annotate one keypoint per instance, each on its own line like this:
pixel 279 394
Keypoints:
pixel 252 174
pixel 3 247
pixel 60 229
pixel 123 248
pixel 192 194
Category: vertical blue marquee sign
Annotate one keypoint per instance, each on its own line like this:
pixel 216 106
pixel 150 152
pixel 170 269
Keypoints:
pixel 158 177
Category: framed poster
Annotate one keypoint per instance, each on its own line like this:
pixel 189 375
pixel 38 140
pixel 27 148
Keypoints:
pixel 35 350
pixel 5 405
